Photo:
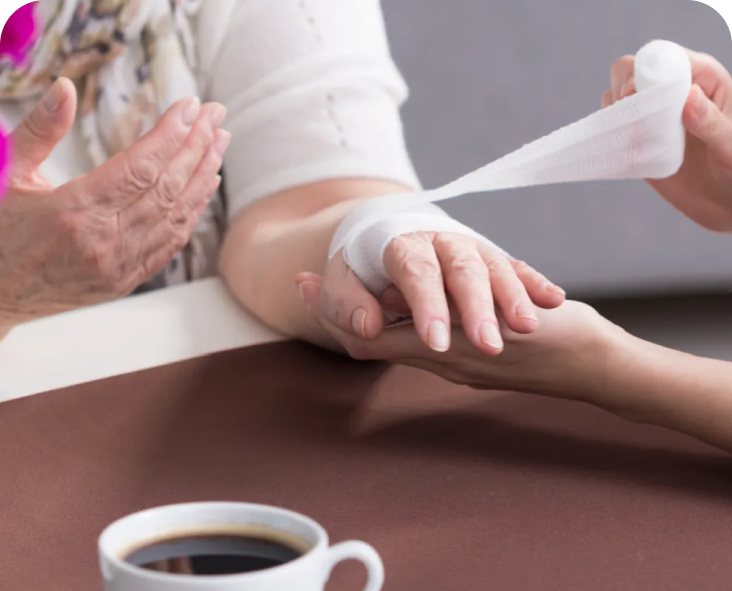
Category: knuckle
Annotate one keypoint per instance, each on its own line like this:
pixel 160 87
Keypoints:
pixel 69 225
pixel 96 258
pixel 525 269
pixel 420 267
pixel 141 173
pixel 500 266
pixel 407 245
pixel 448 240
pixel 472 266
pixel 169 187
pixel 179 239
pixel 35 125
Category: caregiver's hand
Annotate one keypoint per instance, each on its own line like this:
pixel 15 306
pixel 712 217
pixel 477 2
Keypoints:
pixel 431 270
pixel 569 351
pixel 702 189
pixel 101 235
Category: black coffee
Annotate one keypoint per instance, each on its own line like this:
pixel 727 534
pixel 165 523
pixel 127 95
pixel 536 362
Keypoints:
pixel 213 555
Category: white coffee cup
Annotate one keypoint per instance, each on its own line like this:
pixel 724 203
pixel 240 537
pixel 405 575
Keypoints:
pixel 309 572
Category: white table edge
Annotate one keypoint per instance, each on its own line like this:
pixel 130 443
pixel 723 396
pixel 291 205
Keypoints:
pixel 128 335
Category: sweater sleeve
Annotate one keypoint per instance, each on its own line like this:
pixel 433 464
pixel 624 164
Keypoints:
pixel 313 94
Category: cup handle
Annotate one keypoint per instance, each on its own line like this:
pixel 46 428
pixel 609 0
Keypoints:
pixel 362 552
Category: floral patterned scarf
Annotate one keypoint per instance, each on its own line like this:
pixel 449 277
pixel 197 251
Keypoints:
pixel 130 60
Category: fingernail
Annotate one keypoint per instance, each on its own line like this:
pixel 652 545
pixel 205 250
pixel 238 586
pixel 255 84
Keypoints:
pixel 217 115
pixel 526 312
pixel 438 336
pixel 358 322
pixel 490 335
pixel 191 111
pixel 55 97
pixel 550 287
pixel 223 139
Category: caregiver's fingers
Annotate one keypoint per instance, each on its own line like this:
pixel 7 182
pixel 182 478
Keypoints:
pixel 621 76
pixel 509 292
pixel 703 119
pixel 712 77
pixel 346 303
pixel 468 283
pixel 542 292
pixel 706 71
pixel 413 266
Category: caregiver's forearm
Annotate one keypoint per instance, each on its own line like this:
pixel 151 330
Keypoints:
pixel 650 384
pixel 273 240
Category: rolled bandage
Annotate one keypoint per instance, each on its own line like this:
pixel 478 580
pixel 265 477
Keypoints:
pixel 640 137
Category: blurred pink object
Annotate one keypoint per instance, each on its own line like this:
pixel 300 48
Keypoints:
pixel 19 34
pixel 5 162
pixel 17 39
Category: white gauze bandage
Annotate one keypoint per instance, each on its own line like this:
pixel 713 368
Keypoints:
pixel 640 137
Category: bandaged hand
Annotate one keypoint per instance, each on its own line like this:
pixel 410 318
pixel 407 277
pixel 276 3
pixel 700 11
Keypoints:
pixel 425 273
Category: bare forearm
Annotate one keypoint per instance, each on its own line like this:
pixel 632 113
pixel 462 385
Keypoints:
pixel 651 384
pixel 272 241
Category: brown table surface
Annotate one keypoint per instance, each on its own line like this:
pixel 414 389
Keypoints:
pixel 456 490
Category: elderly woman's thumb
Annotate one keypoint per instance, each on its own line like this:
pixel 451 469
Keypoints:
pixel 46 125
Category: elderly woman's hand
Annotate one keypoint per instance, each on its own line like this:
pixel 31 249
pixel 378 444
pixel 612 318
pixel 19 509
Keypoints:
pixel 101 235
pixel 702 189
pixel 430 271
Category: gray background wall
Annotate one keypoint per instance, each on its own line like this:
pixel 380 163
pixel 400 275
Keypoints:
pixel 487 76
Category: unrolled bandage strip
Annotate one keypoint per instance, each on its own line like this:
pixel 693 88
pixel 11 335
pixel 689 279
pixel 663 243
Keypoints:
pixel 639 137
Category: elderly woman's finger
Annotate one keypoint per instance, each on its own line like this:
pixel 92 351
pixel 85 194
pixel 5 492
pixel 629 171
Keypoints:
pixel 174 204
pixel 542 292
pixel 413 266
pixel 393 301
pixel 164 241
pixel 123 178
pixel 468 283
pixel 346 303
pixel 176 176
pixel 46 125
pixel 509 293
pixel 391 345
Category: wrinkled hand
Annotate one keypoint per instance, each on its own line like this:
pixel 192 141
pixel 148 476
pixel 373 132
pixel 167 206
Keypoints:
pixel 567 353
pixel 103 234
pixel 702 189
pixel 432 271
